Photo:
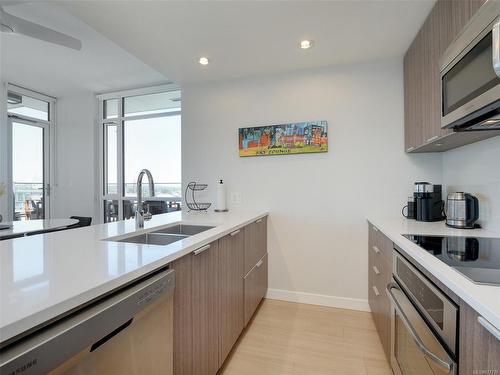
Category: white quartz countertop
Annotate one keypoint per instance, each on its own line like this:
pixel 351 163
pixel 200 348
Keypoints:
pixel 485 299
pixel 44 276
pixel 23 227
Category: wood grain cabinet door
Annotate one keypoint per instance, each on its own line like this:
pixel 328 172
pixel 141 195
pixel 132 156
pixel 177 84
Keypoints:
pixel 231 273
pixel 479 349
pixel 255 287
pixel 422 72
pixel 255 242
pixel 205 310
pixel 183 317
pixel 380 250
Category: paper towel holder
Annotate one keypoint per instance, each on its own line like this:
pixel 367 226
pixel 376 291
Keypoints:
pixel 221 185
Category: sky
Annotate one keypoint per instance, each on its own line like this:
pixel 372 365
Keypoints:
pixel 27 153
pixel 153 143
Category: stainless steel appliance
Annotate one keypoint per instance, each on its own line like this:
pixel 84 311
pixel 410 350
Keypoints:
pixel 428 202
pixel 423 325
pixel 477 258
pixel 129 332
pixel 470 74
pixel 462 210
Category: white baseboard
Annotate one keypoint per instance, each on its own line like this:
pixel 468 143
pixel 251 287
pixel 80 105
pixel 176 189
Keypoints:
pixel 318 299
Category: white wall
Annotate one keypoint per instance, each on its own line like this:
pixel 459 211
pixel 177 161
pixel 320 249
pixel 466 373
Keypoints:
pixel 318 203
pixel 75 157
pixel 475 169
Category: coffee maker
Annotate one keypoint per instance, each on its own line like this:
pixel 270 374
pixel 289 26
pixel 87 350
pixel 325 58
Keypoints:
pixel 428 202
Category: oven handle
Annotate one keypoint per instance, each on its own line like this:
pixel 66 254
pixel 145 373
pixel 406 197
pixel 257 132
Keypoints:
pixel 420 344
pixel 496 46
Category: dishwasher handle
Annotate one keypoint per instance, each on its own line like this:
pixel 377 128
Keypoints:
pixel 109 336
pixel 447 366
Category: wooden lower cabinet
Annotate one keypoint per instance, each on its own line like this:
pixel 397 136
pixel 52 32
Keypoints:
pixel 213 300
pixel 479 349
pixel 255 242
pixel 205 310
pixel 379 275
pixel 196 312
pixel 231 290
pixel 183 316
pixel 255 287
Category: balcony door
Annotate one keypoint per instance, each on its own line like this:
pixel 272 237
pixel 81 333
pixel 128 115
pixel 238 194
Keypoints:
pixel 29 169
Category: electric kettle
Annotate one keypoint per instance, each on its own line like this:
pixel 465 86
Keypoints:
pixel 462 210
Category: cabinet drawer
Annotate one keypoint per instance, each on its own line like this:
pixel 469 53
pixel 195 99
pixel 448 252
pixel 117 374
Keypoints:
pixel 255 287
pixel 255 242
pixel 379 275
pixel 380 244
pixel 379 267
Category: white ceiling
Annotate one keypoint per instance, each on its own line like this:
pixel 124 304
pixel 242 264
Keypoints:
pixel 250 38
pixel 100 66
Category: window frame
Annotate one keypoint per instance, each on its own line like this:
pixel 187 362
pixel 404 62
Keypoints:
pixel 49 127
pixel 119 121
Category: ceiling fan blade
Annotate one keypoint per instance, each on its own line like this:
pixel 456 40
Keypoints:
pixel 33 30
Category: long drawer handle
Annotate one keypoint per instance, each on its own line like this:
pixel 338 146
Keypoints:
pixel 201 249
pixel 375 269
pixel 489 327
pixel 259 263
pixel 235 232
pixel 259 220
pixel 376 249
pixel 375 290
pixel 416 338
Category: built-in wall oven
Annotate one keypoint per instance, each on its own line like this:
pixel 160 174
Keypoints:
pixel 470 74
pixel 423 323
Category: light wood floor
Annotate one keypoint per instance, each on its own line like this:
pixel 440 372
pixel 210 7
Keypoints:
pixel 294 338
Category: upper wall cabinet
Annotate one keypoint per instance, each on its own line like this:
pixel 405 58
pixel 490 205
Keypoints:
pixel 422 79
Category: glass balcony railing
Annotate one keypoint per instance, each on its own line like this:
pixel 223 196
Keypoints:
pixel 28 200
pixel 162 189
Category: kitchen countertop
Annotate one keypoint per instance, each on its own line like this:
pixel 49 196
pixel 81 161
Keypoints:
pixel 485 299
pixel 44 276
pixel 23 227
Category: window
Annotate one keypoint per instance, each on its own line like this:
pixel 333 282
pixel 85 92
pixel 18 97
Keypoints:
pixel 141 130
pixel 26 106
pixel 28 153
pixel 162 102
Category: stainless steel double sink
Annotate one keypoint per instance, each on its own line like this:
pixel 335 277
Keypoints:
pixel 165 236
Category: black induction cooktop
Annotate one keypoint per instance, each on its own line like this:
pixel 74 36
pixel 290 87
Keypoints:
pixel 477 258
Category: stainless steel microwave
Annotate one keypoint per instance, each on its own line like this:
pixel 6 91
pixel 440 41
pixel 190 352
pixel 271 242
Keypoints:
pixel 470 74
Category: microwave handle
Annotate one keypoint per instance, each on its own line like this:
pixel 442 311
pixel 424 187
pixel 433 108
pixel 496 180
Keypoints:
pixel 448 367
pixel 496 46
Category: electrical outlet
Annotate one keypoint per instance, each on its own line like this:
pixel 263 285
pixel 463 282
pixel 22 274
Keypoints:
pixel 236 197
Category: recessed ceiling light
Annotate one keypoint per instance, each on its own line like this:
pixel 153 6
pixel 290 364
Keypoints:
pixel 306 44
pixel 204 60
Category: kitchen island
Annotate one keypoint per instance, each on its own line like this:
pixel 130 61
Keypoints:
pixel 46 276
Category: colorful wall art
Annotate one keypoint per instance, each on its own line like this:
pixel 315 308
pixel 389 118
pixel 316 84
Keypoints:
pixel 284 139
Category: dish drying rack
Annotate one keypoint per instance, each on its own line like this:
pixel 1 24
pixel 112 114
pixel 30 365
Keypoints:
pixel 194 205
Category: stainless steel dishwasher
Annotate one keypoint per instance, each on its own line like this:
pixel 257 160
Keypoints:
pixel 129 332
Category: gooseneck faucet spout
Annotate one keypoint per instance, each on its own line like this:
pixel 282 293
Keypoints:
pixel 140 215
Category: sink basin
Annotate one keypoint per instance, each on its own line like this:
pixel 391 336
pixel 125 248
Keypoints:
pixel 153 239
pixel 184 229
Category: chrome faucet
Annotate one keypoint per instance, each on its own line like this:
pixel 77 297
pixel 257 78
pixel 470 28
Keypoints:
pixel 140 215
